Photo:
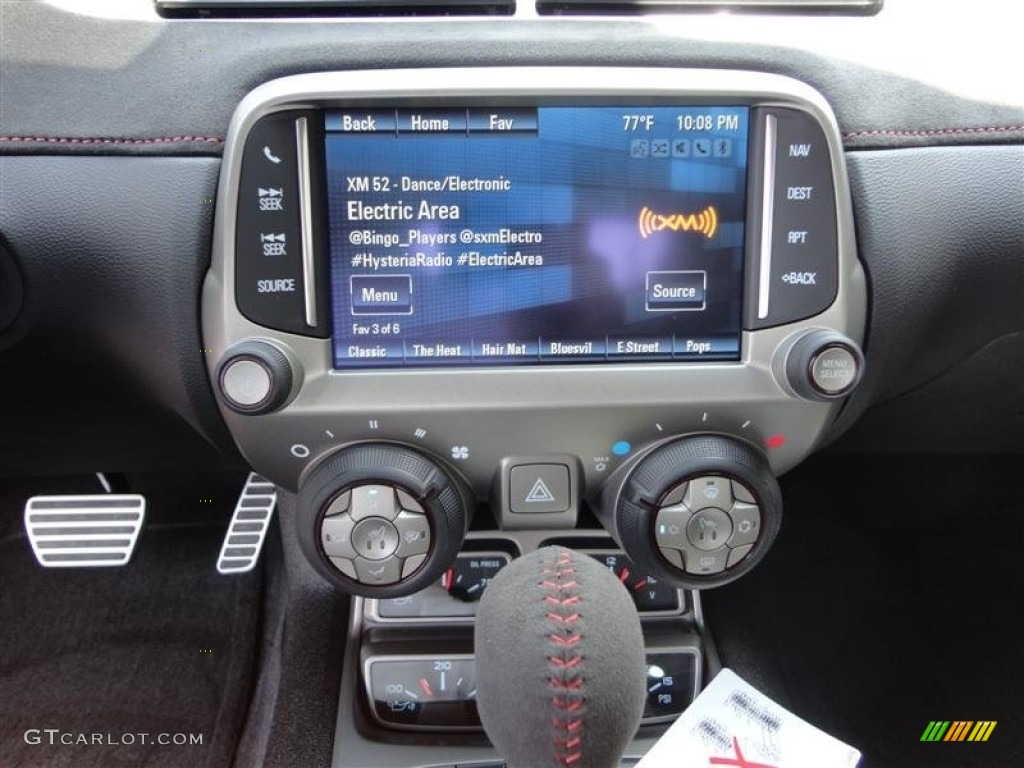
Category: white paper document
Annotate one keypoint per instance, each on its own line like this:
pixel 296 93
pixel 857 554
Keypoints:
pixel 733 724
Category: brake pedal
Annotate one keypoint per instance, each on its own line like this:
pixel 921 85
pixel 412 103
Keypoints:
pixel 84 531
pixel 243 541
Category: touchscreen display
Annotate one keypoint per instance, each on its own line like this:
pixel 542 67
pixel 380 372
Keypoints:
pixel 535 235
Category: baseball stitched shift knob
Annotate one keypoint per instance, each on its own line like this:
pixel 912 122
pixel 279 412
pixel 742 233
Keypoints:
pixel 560 667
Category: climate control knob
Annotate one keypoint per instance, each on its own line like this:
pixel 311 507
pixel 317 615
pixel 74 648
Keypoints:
pixel 382 520
pixel 699 511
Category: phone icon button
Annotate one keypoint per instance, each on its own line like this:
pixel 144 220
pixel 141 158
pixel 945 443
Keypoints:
pixel 268 153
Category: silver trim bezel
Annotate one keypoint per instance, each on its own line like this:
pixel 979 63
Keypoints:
pixel 306 220
pixel 764 280
pixel 533 405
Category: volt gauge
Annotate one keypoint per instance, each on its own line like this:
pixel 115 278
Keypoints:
pixel 651 595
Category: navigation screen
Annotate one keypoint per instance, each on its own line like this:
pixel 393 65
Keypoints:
pixel 536 235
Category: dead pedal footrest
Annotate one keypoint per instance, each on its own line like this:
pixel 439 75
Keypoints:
pixel 249 524
pixel 84 531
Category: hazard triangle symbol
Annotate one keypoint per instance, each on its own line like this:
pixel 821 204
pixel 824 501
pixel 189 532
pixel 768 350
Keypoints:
pixel 540 493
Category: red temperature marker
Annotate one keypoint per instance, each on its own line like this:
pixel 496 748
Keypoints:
pixel 739 761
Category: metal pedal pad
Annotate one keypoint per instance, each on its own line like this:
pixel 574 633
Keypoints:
pixel 84 531
pixel 249 525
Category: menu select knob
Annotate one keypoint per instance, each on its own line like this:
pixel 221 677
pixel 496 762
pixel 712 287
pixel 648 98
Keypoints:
pixel 255 377
pixel 823 365
pixel 699 511
pixel 382 520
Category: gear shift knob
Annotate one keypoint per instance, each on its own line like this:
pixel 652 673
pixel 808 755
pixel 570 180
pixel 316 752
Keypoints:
pixel 560 662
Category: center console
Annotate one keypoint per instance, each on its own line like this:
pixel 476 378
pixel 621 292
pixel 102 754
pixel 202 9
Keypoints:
pixel 467 313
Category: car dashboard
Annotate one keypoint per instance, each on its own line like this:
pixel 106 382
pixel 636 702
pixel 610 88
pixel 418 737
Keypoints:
pixel 359 303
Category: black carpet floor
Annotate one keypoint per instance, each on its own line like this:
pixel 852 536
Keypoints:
pixel 162 647
pixel 893 597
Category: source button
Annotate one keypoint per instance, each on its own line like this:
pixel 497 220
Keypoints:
pixel 676 291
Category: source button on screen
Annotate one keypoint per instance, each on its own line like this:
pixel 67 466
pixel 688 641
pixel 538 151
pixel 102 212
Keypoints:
pixel 674 291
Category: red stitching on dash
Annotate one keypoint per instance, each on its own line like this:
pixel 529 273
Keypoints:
pixel 567 725
pixel 110 140
pixel 568 698
pixel 565 642
pixel 935 131
pixel 561 685
pixel 567 601
pixel 571 619
pixel 559 587
pixel 566 663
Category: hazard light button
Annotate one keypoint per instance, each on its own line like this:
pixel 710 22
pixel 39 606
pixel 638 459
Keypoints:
pixel 540 488
pixel 539 491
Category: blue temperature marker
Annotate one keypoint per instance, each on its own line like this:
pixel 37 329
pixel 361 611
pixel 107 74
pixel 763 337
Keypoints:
pixel 621 448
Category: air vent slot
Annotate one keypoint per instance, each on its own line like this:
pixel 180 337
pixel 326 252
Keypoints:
pixel 622 7
pixel 333 8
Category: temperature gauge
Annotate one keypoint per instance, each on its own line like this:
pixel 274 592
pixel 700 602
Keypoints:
pixel 649 594
pixel 423 691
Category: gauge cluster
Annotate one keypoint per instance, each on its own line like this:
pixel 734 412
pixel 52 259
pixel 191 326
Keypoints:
pixel 417 665
pixel 439 692
pixel 454 597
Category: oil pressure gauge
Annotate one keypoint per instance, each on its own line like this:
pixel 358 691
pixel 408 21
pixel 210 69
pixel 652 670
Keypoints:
pixel 454 596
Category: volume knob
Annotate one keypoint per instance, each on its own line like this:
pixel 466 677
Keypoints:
pixel 254 377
